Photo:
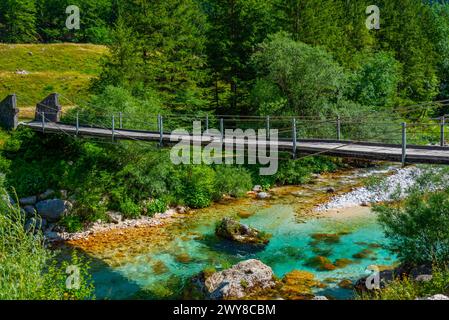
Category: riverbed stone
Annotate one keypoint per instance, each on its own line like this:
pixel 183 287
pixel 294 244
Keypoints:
pixel 30 211
pixel 114 217
pixel 239 281
pixel 263 195
pixel 181 209
pixel 235 231
pixel 53 210
pixel 330 190
pixel 424 278
pixel 63 194
pixel 257 188
pixel 47 194
pixel 28 201
pixel 35 223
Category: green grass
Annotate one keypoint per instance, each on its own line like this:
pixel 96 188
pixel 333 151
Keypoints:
pixel 63 68
pixel 28 269
pixel 407 289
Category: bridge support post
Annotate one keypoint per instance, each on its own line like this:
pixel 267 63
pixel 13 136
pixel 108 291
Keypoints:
pixel 338 128
pixel 267 127
pixel 9 112
pixel 404 144
pixel 113 128
pixel 207 124
pixel 77 123
pixel 294 136
pixel 442 124
pixel 51 107
pixel 43 121
pixel 222 129
pixel 120 120
pixel 160 125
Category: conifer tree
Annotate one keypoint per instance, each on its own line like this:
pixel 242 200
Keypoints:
pixel 18 21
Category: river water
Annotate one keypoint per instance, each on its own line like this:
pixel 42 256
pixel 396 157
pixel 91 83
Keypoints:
pixel 156 262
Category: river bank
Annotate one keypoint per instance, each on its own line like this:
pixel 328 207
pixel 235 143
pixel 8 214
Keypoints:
pixel 350 194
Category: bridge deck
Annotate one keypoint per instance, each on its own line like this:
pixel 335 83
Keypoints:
pixel 374 151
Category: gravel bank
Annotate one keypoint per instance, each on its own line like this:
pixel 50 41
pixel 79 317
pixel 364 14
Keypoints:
pixel 397 185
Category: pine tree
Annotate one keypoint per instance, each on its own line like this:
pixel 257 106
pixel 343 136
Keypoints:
pixel 18 22
pixel 403 31
pixel 165 50
pixel 236 27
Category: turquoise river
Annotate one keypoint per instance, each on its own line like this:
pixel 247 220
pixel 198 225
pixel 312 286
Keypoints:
pixel 157 262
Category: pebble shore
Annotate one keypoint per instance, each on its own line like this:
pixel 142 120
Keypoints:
pixel 397 186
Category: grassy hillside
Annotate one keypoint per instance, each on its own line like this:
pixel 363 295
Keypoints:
pixel 63 68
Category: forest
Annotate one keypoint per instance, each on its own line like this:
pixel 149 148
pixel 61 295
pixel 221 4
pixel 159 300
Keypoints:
pixel 254 56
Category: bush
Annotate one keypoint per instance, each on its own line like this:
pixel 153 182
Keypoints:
pixel 129 208
pixel 231 181
pixel 418 231
pixel 72 223
pixel 199 186
pixel 156 206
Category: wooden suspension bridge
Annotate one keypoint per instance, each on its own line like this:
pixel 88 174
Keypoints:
pixel 48 120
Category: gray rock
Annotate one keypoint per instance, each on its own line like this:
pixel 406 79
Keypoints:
pixel 424 278
pixel 63 194
pixel 53 210
pixel 47 194
pixel 34 224
pixel 28 201
pixel 115 217
pixel 235 231
pixel 263 195
pixel 181 209
pixel 239 281
pixel 257 188
pixel 30 211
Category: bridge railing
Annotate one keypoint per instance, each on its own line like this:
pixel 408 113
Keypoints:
pixel 373 128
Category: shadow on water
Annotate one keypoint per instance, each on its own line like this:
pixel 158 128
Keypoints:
pixel 109 283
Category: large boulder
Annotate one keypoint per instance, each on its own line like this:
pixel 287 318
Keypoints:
pixel 241 280
pixel 53 210
pixel 233 230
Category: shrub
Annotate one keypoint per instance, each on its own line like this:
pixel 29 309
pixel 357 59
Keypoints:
pixel 129 208
pixel 72 223
pixel 155 206
pixel 232 181
pixel 199 186
pixel 418 231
